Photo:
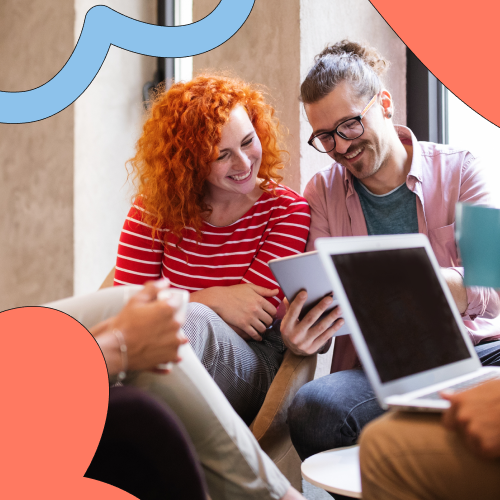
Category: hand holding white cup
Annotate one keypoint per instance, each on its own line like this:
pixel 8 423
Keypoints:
pixel 178 300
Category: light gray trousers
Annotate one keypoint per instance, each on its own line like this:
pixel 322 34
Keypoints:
pixel 243 370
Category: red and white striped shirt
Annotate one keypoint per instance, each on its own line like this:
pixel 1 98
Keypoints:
pixel 275 226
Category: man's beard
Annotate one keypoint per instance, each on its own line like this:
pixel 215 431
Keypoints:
pixel 352 166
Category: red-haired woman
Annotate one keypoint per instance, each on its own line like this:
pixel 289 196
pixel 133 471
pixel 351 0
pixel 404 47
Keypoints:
pixel 209 214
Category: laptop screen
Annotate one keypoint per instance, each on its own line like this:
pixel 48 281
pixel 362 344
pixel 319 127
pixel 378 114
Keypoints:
pixel 401 310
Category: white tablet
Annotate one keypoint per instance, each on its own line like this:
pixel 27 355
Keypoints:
pixel 304 272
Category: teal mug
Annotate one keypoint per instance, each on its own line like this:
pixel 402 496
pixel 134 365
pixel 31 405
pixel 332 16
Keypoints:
pixel 477 232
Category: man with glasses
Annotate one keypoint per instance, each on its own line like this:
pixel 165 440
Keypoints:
pixel 382 181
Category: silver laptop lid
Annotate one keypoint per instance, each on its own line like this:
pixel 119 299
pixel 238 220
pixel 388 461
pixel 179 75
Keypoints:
pixel 405 325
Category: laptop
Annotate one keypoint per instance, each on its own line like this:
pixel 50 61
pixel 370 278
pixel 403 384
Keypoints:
pixel 404 323
pixel 305 272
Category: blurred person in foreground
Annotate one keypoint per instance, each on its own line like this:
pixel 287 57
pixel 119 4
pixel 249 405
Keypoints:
pixel 145 449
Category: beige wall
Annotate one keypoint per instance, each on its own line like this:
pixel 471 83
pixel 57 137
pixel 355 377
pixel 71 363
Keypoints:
pixel 265 50
pixel 108 121
pixel 36 160
pixel 63 191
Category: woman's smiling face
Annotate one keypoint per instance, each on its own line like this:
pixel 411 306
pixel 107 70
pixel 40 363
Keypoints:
pixel 240 156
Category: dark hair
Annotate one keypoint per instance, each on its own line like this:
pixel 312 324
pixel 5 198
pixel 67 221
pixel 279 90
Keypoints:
pixel 359 64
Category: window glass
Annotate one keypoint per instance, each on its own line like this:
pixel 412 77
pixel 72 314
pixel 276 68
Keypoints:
pixel 467 129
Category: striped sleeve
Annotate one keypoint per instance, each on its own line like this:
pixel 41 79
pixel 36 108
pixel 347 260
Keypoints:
pixel 285 235
pixel 139 258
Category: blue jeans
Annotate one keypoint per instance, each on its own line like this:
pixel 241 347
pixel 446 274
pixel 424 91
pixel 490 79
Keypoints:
pixel 489 353
pixel 330 412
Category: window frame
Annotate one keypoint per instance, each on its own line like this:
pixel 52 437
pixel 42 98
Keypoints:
pixel 426 102
pixel 165 65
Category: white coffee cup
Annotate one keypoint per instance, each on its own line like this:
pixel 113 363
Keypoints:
pixel 178 300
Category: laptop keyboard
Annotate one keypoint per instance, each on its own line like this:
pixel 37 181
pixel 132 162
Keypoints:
pixel 468 384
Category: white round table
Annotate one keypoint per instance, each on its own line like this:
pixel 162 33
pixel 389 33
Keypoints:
pixel 336 471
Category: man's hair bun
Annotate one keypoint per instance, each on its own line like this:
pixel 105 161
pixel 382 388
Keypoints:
pixel 359 64
pixel 369 55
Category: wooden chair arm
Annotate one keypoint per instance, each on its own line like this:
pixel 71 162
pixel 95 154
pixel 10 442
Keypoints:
pixel 109 280
pixel 270 427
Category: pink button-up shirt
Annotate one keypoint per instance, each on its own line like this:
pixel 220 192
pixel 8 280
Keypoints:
pixel 440 176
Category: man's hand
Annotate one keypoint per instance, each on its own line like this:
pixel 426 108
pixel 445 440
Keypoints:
pixel 301 337
pixel 456 285
pixel 243 307
pixel 475 414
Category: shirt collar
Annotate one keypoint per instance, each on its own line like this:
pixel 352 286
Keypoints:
pixel 406 136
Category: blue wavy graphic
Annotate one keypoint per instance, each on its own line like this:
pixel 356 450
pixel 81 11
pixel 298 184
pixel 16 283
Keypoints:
pixel 104 27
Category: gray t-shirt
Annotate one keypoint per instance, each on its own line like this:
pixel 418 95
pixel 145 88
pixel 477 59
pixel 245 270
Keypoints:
pixel 391 213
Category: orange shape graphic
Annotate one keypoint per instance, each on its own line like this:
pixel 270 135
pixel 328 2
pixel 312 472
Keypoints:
pixel 55 398
pixel 458 43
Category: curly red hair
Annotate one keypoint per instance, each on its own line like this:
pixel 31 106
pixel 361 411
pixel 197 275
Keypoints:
pixel 179 141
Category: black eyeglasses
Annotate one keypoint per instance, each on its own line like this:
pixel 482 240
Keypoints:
pixel 349 130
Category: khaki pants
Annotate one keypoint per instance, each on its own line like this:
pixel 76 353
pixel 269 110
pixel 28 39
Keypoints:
pixel 408 456
pixel 235 466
